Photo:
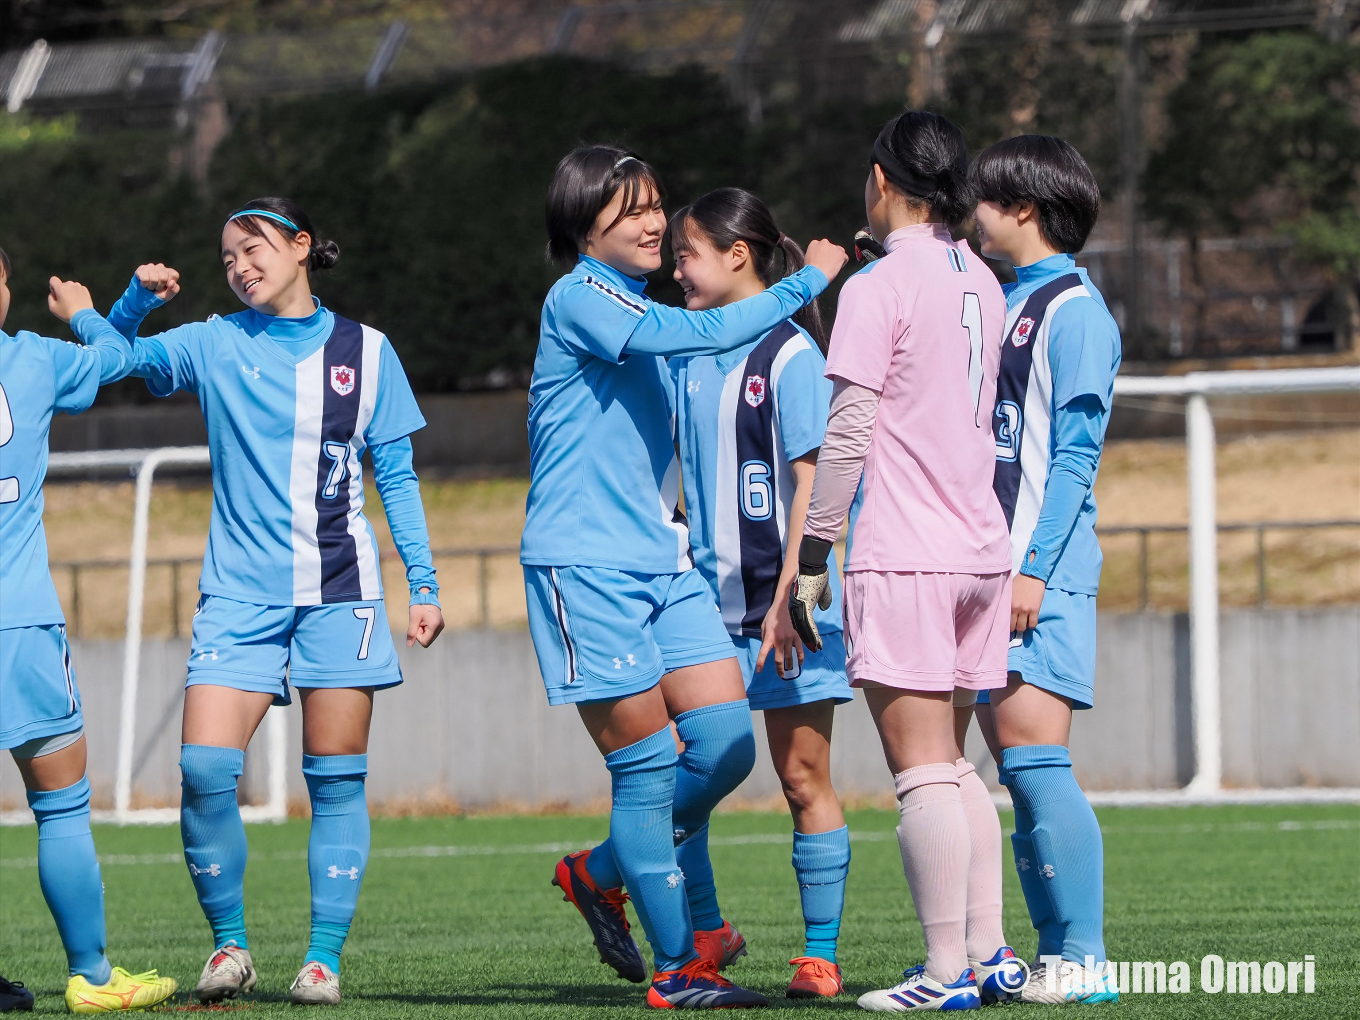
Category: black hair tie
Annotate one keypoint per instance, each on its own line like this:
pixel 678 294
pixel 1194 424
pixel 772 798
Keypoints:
pixel 902 175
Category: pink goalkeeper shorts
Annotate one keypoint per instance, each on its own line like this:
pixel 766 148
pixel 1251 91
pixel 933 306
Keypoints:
pixel 927 632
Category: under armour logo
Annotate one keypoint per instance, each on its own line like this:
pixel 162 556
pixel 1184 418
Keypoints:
pixel 1022 863
pixel 207 653
pixel 619 663
pixel 674 879
pixel 212 869
pixel 1047 871
pixel 251 370
pixel 350 873
pixel 692 386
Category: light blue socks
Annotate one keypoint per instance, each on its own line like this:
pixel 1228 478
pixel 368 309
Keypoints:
pixel 1066 848
pixel 337 851
pixel 214 838
pixel 68 872
pixel 720 751
pixel 640 841
pixel 821 861
pixel 1031 882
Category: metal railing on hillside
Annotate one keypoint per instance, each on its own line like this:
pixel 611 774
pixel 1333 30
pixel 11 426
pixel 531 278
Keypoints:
pixel 186 566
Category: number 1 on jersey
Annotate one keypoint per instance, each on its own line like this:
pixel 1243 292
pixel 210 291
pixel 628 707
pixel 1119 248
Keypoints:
pixel 972 321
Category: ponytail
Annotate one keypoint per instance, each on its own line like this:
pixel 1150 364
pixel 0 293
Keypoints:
pixel 925 157
pixel 729 215
pixel 287 217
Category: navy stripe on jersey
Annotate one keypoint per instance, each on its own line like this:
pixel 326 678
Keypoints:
pixel 762 551
pixel 956 260
pixel 341 369
pixel 1017 359
pixel 617 296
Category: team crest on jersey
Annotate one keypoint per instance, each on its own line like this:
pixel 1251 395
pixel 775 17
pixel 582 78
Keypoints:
pixel 342 379
pixel 1023 329
pixel 755 390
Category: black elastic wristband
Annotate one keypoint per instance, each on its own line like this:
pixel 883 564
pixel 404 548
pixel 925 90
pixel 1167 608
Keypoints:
pixel 812 555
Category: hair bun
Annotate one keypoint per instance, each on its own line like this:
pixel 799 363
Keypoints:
pixel 324 254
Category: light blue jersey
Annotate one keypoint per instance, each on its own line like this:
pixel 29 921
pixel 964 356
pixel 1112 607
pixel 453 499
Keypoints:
pixel 40 376
pixel 1059 358
pixel 741 417
pixel 291 406
pixel 604 480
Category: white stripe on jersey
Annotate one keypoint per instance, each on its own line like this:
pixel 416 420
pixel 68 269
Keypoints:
pixel 309 408
pixel 726 523
pixel 638 308
pixel 670 502
pixel 1037 418
pixel 783 470
pixel 370 578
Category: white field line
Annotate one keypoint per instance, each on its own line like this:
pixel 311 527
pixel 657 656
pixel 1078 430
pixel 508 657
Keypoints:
pixel 873 836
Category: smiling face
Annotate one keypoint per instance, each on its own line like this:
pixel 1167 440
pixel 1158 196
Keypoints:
pixel 711 278
pixel 633 244
pixel 269 272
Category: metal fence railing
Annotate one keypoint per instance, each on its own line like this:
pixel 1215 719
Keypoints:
pixel 1260 528
pixel 182 571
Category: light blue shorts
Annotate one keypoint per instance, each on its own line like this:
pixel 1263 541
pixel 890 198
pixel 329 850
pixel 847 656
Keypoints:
pixel 38 695
pixel 1059 655
pixel 267 648
pixel 603 634
pixel 822 675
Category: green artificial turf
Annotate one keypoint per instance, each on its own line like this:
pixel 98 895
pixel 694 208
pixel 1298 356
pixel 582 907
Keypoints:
pixel 458 917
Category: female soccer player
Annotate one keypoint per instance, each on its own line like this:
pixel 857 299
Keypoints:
pixel 1039 202
pixel 914 358
pixel 623 628
pixel 40 719
pixel 293 395
pixel 749 424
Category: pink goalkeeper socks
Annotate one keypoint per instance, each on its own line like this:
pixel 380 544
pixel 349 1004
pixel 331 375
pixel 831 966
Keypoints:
pixel 936 852
pixel 984 869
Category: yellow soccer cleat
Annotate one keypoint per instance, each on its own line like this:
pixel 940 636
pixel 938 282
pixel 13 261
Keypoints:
pixel 122 991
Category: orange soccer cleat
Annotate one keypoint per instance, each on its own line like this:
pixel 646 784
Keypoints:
pixel 721 947
pixel 815 978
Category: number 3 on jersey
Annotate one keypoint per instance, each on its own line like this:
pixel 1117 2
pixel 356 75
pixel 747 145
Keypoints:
pixel 972 321
pixel 9 487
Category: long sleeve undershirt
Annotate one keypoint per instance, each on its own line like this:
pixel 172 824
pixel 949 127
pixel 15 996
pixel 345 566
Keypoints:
pixel 673 332
pixel 399 489
pixel 840 464
pixel 111 347
pixel 1078 428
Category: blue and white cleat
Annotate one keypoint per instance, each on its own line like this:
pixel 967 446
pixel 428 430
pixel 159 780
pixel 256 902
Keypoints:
pixel 1001 978
pixel 698 985
pixel 1068 982
pixel 920 991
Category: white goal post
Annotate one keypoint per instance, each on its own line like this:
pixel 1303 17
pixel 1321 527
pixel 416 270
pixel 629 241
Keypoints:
pixel 1206 786
pixel 144 463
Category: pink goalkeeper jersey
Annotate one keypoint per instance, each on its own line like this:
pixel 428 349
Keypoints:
pixel 923 328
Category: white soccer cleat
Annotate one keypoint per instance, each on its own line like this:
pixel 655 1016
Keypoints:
pixel 920 991
pixel 315 985
pixel 1068 982
pixel 1001 978
pixel 228 973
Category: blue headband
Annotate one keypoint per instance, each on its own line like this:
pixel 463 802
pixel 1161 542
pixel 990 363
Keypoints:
pixel 268 215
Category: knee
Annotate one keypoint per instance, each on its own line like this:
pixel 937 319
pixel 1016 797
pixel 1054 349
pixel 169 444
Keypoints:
pixel 804 784
pixel 210 770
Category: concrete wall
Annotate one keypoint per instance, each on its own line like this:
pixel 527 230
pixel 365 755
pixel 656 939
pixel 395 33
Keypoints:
pixel 471 726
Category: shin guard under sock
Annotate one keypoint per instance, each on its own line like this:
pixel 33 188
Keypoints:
pixel 214 838
pixel 643 781
pixel 936 852
pixel 821 861
pixel 720 751
pixel 1067 844
pixel 337 850
pixel 68 872
pixel 984 868
pixel 1032 884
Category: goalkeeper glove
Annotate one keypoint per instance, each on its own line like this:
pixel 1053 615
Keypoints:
pixel 810 589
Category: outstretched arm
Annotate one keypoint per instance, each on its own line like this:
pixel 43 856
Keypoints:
pixel 400 491
pixel 152 285
pixel 71 303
